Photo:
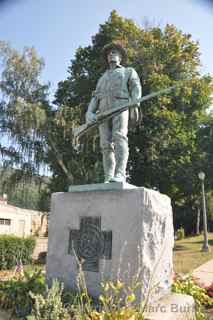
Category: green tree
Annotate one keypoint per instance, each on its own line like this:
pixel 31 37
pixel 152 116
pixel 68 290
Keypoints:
pixel 30 126
pixel 30 194
pixel 22 107
pixel 23 114
pixel 166 152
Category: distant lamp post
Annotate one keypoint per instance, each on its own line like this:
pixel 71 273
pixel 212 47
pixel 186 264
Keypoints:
pixel 201 176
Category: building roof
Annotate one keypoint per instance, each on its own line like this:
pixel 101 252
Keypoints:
pixel 5 207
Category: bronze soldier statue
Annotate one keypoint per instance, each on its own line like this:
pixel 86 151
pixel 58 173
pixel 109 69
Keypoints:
pixel 116 87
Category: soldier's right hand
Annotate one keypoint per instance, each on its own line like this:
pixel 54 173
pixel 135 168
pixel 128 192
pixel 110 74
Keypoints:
pixel 90 117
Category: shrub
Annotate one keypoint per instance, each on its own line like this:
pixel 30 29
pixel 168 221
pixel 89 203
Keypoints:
pixel 14 293
pixel 209 290
pixel 117 302
pixel 200 295
pixel 49 306
pixel 180 233
pixel 14 249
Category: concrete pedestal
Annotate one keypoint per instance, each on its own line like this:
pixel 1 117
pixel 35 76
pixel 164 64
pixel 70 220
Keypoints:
pixel 119 233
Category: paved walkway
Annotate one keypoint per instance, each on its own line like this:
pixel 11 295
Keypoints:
pixel 204 273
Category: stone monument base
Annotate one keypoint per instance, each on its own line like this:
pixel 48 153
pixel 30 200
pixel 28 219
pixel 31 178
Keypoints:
pixel 114 231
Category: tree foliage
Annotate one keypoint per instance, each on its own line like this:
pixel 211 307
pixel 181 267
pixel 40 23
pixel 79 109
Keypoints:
pixel 166 149
pixel 23 114
pixel 22 108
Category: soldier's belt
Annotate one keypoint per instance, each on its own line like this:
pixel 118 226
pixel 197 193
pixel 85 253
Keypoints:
pixel 120 98
pixel 110 95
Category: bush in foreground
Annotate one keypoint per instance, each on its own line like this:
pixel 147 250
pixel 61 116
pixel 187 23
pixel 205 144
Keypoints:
pixel 200 295
pixel 15 293
pixel 117 302
pixel 14 249
pixel 49 305
pixel 28 298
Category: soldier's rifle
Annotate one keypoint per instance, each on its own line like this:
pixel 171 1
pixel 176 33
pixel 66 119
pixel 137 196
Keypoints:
pixel 108 114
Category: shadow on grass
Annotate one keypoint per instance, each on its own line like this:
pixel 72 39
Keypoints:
pixel 179 248
pixel 210 242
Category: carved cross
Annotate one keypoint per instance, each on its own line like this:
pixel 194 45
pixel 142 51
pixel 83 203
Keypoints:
pixel 90 243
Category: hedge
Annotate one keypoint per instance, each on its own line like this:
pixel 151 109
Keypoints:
pixel 13 249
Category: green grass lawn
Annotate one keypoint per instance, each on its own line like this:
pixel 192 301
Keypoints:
pixel 188 255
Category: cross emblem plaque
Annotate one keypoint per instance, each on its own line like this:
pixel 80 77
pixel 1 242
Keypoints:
pixel 90 243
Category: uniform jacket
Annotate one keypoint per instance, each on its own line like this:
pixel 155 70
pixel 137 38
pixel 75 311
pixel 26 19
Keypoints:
pixel 115 88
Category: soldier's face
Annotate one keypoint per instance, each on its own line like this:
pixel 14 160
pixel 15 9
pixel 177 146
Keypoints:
pixel 114 56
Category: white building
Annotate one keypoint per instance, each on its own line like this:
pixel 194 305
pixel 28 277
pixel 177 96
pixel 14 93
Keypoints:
pixel 21 222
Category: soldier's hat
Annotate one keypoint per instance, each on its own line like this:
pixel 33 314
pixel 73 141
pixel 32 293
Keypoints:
pixel 113 45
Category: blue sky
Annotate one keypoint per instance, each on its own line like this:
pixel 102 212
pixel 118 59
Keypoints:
pixel 56 28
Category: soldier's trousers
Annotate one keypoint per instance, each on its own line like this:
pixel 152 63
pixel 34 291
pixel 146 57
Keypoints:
pixel 114 145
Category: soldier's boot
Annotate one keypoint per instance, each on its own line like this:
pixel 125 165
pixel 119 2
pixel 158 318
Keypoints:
pixel 108 165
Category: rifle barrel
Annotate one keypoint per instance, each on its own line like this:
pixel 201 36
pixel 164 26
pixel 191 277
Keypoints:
pixel 80 131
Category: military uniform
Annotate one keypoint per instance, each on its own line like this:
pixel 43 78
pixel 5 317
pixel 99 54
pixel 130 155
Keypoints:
pixel 115 88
